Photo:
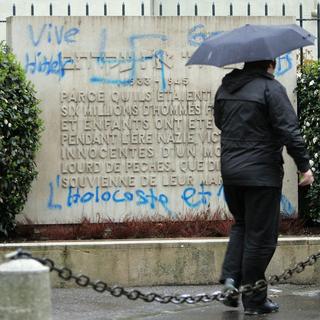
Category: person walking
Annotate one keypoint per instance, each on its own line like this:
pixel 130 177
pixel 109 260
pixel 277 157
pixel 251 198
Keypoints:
pixel 256 120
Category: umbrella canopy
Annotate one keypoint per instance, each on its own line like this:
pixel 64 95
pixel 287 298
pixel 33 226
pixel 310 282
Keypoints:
pixel 251 43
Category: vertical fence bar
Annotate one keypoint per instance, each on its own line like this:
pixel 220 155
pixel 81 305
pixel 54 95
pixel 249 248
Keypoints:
pixel 300 15
pixel 160 9
pixel 301 25
pixel 142 9
pixel 266 9
pixel 87 9
pixel 195 9
pixel 69 9
pixel 14 10
pixel 50 9
pixel 123 9
pixel 32 9
pixel 318 29
pixel 178 9
pixel 283 9
pixel 105 9
pixel 213 9
pixel 231 9
pixel 249 9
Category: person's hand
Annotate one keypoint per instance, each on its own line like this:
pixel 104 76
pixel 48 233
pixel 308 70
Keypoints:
pixel 306 178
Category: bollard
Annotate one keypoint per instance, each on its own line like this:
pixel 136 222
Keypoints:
pixel 24 290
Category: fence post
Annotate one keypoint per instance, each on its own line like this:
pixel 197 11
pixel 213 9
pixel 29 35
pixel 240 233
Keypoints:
pixel 87 9
pixel 25 290
pixel 266 11
pixel 318 28
pixel 301 25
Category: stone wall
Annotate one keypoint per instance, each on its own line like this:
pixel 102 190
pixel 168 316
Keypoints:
pixel 162 261
pixel 128 127
pixel 159 7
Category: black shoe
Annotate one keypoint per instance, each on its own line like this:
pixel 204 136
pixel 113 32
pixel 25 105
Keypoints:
pixel 229 286
pixel 267 307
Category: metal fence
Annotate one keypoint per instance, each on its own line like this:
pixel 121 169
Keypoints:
pixel 301 20
pixel 159 12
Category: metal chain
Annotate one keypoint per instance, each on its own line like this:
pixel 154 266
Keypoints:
pixel 117 291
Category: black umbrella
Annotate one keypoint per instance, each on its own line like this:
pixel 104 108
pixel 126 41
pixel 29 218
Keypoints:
pixel 251 43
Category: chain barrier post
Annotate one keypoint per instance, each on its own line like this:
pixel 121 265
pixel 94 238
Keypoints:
pixel 25 289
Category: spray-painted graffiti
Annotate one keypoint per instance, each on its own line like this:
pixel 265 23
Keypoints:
pixel 41 63
pixel 132 61
pixel 52 34
pixel 53 63
pixel 195 199
pixel 284 64
pixel 192 197
pixel 197 34
pixel 140 197
pixel 51 204
pixel 286 207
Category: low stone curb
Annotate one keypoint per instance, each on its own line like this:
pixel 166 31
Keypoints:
pixel 153 262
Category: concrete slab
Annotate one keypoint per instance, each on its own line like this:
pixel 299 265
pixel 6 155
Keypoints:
pixel 296 303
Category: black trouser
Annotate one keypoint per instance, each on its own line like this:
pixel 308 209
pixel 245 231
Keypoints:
pixel 253 237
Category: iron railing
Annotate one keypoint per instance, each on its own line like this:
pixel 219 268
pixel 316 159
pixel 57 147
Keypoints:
pixel 161 10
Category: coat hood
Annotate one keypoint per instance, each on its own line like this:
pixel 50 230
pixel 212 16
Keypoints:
pixel 237 78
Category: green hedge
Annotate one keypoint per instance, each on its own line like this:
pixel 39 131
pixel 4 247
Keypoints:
pixel 20 129
pixel 308 92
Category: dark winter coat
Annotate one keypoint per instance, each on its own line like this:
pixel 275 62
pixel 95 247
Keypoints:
pixel 256 120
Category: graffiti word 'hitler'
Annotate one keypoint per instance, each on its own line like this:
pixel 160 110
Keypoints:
pixel 40 63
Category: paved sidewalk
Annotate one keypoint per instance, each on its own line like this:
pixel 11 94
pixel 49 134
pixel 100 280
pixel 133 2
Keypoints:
pixel 296 303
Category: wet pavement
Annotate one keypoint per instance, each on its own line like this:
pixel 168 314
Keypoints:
pixel 296 303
